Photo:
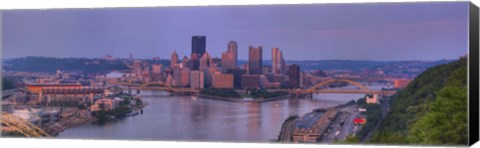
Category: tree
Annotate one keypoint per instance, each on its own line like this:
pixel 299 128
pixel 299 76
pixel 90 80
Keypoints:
pixel 446 123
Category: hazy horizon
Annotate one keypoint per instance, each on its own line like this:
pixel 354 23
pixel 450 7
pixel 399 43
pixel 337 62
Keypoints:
pixel 425 31
pixel 246 60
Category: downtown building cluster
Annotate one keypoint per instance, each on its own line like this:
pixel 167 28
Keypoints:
pixel 201 70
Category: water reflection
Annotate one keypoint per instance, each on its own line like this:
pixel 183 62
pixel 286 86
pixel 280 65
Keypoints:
pixel 184 118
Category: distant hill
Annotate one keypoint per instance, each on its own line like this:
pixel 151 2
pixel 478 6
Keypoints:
pixel 432 109
pixel 354 65
pixel 47 64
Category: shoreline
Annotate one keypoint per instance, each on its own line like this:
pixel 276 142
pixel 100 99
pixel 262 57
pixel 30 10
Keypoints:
pixel 55 130
pixel 58 129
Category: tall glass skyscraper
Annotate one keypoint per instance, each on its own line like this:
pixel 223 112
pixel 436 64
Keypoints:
pixel 199 44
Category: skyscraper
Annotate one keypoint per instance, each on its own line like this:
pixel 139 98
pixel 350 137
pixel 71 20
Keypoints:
pixel 293 76
pixel 137 67
pixel 206 61
pixel 229 58
pixel 199 45
pixel 195 62
pixel 255 60
pixel 227 61
pixel 278 63
pixel 174 59
pixel 233 49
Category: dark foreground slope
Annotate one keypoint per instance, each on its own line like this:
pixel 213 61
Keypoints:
pixel 432 109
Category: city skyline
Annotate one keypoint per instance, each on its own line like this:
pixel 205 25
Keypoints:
pixel 392 32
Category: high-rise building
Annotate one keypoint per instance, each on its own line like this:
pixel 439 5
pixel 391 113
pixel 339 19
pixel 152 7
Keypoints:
pixel 156 68
pixel 169 80
pixel 255 60
pixel 302 79
pixel 174 59
pixel 196 79
pixel 177 75
pixel 227 61
pixel 233 49
pixel 185 77
pixel 278 63
pixel 185 62
pixel 137 67
pixel 199 44
pixel 293 76
pixel 195 62
pixel 206 61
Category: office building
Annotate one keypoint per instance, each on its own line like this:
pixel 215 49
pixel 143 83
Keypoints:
pixel 233 49
pixel 199 44
pixel 156 68
pixel 237 76
pixel 255 60
pixel 250 81
pixel 222 80
pixel 227 61
pixel 174 59
pixel 137 67
pixel 195 62
pixel 185 77
pixel 302 79
pixel 293 76
pixel 206 61
pixel 278 63
pixel 196 79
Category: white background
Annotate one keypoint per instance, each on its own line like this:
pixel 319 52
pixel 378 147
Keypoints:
pixel 48 4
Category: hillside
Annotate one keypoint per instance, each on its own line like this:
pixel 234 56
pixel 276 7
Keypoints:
pixel 47 64
pixel 432 109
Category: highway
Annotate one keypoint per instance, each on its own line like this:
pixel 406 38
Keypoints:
pixel 338 132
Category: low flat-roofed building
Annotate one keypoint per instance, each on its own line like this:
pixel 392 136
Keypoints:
pixel 310 127
pixel 104 104
pixel 222 81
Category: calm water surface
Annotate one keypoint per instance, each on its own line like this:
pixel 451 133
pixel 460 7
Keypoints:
pixel 185 118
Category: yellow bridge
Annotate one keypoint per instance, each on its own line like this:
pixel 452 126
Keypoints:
pixel 22 126
pixel 315 89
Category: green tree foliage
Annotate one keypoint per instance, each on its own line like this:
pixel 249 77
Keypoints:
pixel 262 93
pixel 228 93
pixel 373 116
pixel 430 108
pixel 446 122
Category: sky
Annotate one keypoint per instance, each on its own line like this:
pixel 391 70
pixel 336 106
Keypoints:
pixel 373 31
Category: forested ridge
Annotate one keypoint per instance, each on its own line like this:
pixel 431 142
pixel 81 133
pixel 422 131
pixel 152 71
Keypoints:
pixel 431 110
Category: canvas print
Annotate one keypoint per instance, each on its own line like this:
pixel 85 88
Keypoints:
pixel 371 73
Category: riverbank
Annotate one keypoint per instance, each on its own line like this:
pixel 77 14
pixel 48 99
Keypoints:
pixel 242 99
pixel 79 118
pixel 64 124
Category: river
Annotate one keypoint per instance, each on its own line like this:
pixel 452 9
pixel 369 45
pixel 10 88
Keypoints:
pixel 186 118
